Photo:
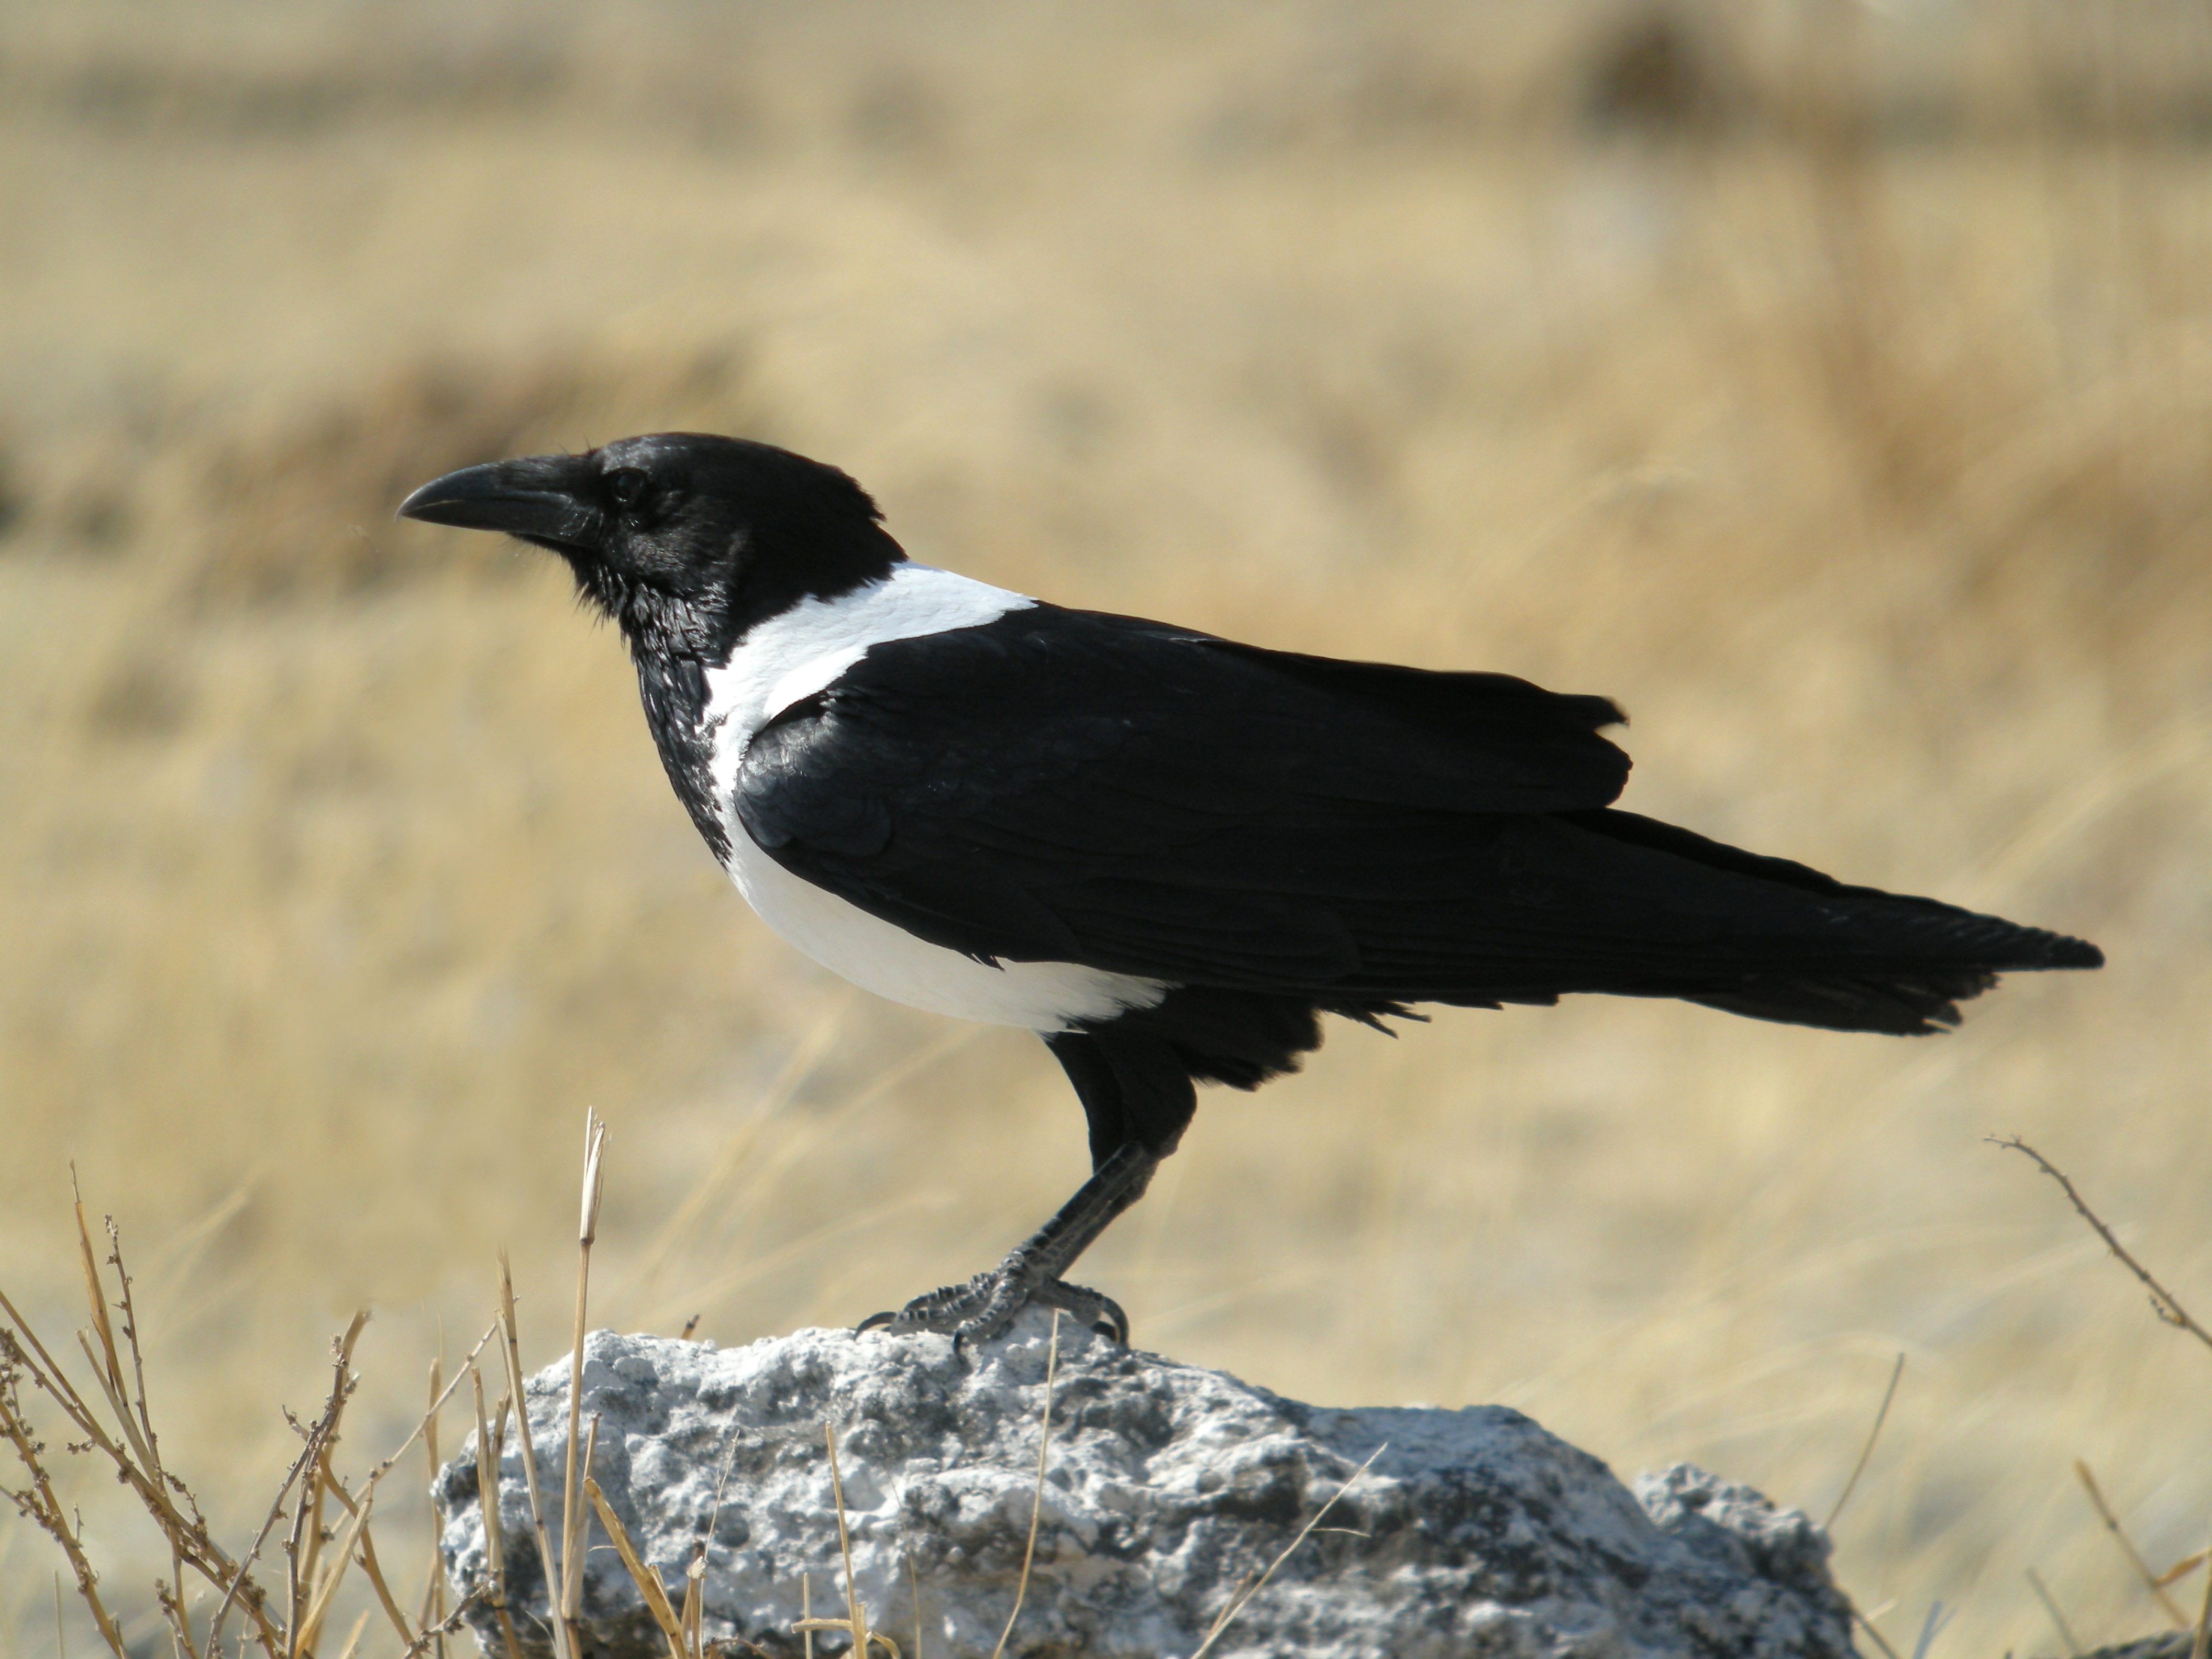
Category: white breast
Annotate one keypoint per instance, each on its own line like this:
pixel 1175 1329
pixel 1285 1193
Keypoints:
pixel 800 652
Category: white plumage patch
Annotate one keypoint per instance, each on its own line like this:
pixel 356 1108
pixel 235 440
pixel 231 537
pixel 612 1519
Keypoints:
pixel 801 652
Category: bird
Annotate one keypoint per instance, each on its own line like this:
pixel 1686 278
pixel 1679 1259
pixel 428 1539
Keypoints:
pixel 1167 853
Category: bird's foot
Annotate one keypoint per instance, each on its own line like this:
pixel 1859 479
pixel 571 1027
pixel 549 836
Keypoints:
pixel 986 1305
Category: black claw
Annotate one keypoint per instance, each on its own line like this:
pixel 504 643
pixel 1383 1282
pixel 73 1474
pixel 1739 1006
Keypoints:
pixel 987 1303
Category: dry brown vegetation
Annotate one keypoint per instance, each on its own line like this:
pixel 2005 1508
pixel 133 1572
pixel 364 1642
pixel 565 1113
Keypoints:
pixel 1831 386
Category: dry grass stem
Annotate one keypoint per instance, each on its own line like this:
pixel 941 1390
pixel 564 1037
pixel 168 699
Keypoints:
pixel 695 1580
pixel 2151 1580
pixel 2162 1301
pixel 572 1514
pixel 695 1571
pixel 385 1465
pixel 648 1581
pixel 434 1589
pixel 2202 1641
pixel 41 1507
pixel 318 1609
pixel 2181 1569
pixel 303 1549
pixel 487 1460
pixel 353 1638
pixel 2057 1618
pixel 116 1422
pixel 371 1568
pixel 512 1351
pixel 1037 1495
pixel 856 1611
pixel 1880 1416
pixel 1867 1624
pixel 1236 1603
pixel 240 1590
pixel 172 1600
pixel 1840 404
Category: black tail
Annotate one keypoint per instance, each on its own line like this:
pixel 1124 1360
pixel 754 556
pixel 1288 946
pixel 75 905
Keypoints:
pixel 1854 959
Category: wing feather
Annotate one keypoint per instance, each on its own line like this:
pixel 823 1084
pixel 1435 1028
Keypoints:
pixel 1066 786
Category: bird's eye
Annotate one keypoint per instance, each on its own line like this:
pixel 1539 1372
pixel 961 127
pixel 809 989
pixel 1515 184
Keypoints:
pixel 627 485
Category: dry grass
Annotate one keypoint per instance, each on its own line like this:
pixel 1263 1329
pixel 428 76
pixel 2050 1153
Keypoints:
pixel 1832 386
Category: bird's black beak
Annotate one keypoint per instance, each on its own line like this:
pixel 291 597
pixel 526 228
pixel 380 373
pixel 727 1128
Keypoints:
pixel 541 498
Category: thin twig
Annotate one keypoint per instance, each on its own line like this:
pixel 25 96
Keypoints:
pixel 240 1580
pixel 185 1530
pixel 132 1446
pixel 452 1388
pixel 436 1635
pixel 1036 1498
pixel 1237 1603
pixel 172 1610
pixel 2181 1620
pixel 41 1506
pixel 1880 1417
pixel 2162 1300
pixel 298 1561
pixel 2035 1583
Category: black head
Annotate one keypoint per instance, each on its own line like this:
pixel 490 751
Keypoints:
pixel 684 538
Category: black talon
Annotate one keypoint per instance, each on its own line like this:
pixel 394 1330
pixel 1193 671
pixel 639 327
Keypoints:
pixel 1113 1324
pixel 986 1305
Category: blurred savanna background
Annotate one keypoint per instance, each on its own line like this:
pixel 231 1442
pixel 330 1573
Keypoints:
pixel 1831 384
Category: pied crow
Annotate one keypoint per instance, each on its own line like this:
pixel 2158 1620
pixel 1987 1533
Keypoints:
pixel 1166 853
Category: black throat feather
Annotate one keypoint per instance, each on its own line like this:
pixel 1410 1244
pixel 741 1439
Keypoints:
pixel 783 560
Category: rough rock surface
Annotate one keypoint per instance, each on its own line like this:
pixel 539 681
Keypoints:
pixel 1475 1532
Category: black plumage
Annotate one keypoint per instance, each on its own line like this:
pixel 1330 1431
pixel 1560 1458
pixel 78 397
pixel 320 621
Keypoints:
pixel 1176 851
pixel 1063 786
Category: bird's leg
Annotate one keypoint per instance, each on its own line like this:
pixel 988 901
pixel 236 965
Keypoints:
pixel 987 1303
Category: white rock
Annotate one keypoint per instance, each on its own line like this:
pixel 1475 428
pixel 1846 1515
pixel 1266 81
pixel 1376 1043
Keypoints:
pixel 1475 1532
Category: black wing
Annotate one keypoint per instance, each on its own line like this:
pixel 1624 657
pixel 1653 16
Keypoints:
pixel 1064 786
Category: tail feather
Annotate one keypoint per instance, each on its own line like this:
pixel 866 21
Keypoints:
pixel 1888 962
pixel 1662 912
pixel 1901 1004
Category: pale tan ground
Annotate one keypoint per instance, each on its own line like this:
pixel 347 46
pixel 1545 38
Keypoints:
pixel 1868 464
